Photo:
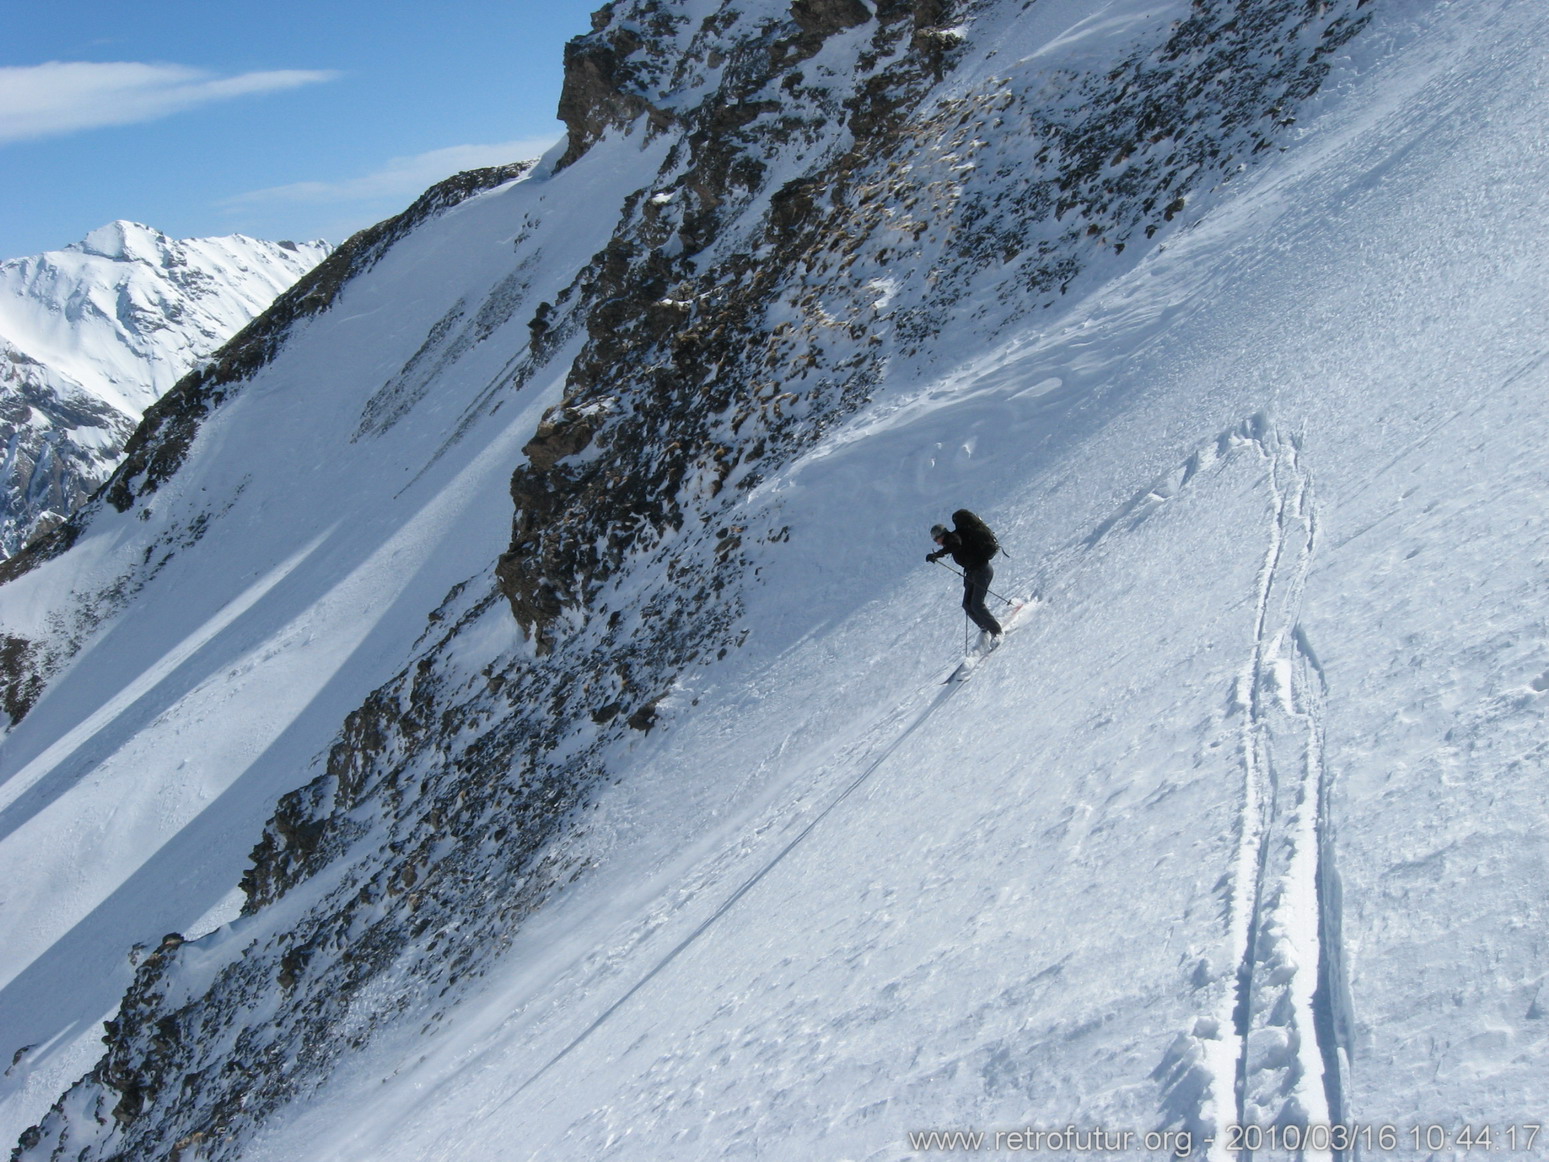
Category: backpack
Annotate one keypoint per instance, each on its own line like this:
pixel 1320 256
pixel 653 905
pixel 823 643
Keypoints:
pixel 976 536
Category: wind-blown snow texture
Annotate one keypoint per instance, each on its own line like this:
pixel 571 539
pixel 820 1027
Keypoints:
pixel 641 824
pixel 93 334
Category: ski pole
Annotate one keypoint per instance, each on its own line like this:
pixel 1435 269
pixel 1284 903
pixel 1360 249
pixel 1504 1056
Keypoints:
pixel 987 589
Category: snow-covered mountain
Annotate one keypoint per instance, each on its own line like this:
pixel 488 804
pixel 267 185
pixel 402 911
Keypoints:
pixel 497 708
pixel 91 335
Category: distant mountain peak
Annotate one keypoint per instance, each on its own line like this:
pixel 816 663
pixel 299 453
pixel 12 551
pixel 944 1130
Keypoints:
pixel 124 241
pixel 93 333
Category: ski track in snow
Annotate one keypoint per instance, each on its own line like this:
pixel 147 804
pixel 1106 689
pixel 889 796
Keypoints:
pixel 1275 1053
pixel 916 721
pixel 1284 1074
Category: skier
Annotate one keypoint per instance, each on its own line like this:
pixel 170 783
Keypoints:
pixel 971 545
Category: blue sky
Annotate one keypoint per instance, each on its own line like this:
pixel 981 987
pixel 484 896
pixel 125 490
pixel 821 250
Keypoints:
pixel 280 119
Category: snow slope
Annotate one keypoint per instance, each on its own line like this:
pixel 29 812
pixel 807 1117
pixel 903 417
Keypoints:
pixel 96 332
pixel 137 786
pixel 1253 799
pixel 1243 823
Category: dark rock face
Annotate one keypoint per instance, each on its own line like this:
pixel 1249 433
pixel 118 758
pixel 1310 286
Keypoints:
pixel 44 476
pixel 680 344
pixel 730 322
pixel 1117 156
pixel 823 18
pixel 22 682
pixel 602 89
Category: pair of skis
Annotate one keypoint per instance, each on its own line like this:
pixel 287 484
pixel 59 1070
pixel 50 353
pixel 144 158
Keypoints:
pixel 983 648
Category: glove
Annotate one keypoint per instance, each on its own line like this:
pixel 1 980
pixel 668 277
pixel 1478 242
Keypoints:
pixel 933 557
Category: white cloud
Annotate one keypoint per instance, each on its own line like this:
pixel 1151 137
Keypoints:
pixel 62 97
pixel 401 177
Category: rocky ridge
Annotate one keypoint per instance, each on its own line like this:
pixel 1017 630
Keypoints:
pixel 826 206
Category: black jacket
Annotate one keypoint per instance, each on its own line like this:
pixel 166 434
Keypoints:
pixel 964 554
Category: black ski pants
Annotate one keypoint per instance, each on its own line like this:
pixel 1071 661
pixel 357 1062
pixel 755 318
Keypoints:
pixel 976 583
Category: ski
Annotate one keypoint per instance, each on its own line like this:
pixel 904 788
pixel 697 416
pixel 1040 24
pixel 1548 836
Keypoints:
pixel 979 652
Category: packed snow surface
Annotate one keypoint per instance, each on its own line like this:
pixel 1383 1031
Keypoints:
pixel 1244 821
